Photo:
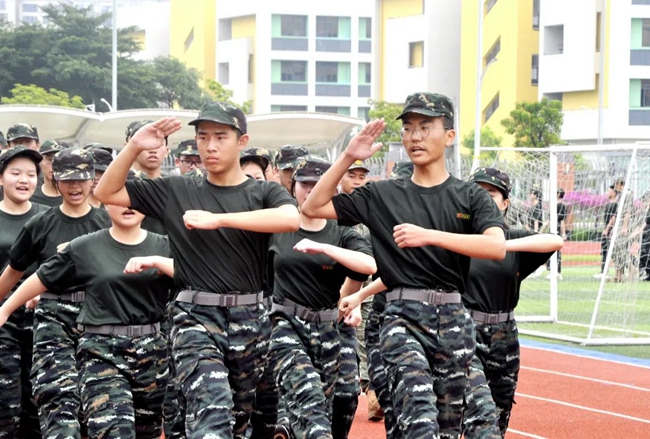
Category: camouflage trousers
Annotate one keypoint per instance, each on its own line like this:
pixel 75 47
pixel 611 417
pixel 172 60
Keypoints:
pixel 123 381
pixel 362 351
pixel 18 413
pixel 304 357
pixel 346 391
pixel 427 350
pixel 497 347
pixel 54 370
pixel 377 374
pixel 173 417
pixel 480 415
pixel 219 355
pixel 267 408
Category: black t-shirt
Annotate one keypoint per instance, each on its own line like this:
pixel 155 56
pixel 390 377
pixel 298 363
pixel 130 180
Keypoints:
pixel 535 215
pixel 493 286
pixel 610 211
pixel 218 261
pixel 561 216
pixel 153 225
pixel 454 206
pixel 40 237
pixel 10 227
pixel 313 281
pixel 96 262
pixel 40 198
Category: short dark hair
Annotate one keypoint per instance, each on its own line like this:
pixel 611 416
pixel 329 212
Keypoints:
pixel 5 165
pixel 560 193
pixel 447 123
pixel 536 192
pixel 239 133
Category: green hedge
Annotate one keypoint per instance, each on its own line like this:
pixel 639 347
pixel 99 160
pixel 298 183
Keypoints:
pixel 580 234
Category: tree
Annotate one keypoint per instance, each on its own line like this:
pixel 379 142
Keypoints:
pixel 35 95
pixel 178 85
pixel 535 124
pixel 389 112
pixel 488 138
pixel 215 91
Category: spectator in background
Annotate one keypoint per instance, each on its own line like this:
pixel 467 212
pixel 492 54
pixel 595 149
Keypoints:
pixel 609 218
pixel 644 257
pixel 561 230
pixel 534 220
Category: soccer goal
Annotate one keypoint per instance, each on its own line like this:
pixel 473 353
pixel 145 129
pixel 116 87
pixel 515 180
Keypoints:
pixel 600 292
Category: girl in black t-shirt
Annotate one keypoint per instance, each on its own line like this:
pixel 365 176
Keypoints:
pixel 19 171
pixel 54 372
pixel 309 269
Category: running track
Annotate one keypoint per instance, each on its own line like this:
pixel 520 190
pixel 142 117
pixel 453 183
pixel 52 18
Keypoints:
pixel 567 393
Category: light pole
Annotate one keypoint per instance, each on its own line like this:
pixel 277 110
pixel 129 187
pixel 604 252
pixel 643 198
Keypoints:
pixel 114 94
pixel 110 107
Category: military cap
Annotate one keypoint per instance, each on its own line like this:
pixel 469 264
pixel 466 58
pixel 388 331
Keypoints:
pixel 310 168
pixel 288 154
pixel 19 151
pixel 92 146
pixel 187 147
pixel 402 170
pixel 494 177
pixel 101 158
pixel 261 156
pixel 134 127
pixel 73 164
pixel 429 104
pixel 222 112
pixel 3 141
pixel 133 175
pixel 196 173
pixel 50 146
pixel 359 164
pixel 20 130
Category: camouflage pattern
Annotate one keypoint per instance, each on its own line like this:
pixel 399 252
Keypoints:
pixel 54 371
pixel 21 130
pixel 493 176
pixel 122 384
pixel 426 350
pixel 429 104
pixel 261 156
pixel 197 173
pixel 309 168
pixel 134 127
pixel 173 409
pixel 362 353
pixel 101 159
pixel 73 164
pixel 377 374
pixel 219 355
pixel 287 155
pixel 224 113
pixel 50 146
pixel 346 391
pixel 497 347
pixel 480 415
pixel 187 147
pixel 3 141
pixel 304 357
pixel 19 151
pixel 18 413
pixel 402 170
pixel 96 145
pixel 359 164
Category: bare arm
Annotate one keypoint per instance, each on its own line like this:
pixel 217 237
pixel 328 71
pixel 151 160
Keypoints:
pixel 274 220
pixel 350 259
pixel 139 264
pixel 353 318
pixel 8 280
pixel 31 288
pixel 542 243
pixel 347 304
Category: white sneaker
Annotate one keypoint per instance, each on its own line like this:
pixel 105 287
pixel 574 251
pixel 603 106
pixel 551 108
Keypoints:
pixel 598 275
pixel 550 276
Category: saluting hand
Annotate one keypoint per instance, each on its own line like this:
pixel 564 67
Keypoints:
pixel 409 235
pixel 200 219
pixel 362 145
pixel 310 247
pixel 348 304
pixel 152 135
pixel 139 264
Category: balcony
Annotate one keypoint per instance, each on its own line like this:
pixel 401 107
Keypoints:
pixel 639 117
pixel 365 46
pixel 333 45
pixel 640 57
pixel 332 90
pixel 364 91
pixel 288 89
pixel 641 2
pixel 297 44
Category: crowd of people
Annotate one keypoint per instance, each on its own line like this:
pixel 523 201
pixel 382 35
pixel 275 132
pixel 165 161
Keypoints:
pixel 256 295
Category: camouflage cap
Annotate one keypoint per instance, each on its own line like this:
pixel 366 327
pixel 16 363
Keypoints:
pixel 494 177
pixel 187 147
pixel 21 130
pixel 359 164
pixel 134 175
pixel 3 141
pixel 19 151
pixel 402 170
pixel 73 164
pixel 222 112
pixel 92 146
pixel 261 156
pixel 288 154
pixel 196 173
pixel 50 146
pixel 134 127
pixel 101 158
pixel 429 104
pixel 310 168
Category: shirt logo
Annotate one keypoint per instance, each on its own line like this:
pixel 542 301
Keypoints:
pixel 463 216
pixel 327 267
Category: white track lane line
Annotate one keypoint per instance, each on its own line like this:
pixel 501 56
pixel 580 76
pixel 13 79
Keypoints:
pixel 587 357
pixel 521 433
pixel 604 412
pixel 579 377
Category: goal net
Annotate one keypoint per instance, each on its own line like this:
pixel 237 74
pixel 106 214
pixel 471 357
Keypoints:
pixel 597 291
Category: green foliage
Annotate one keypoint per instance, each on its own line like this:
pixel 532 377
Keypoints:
pixel 388 111
pixel 585 234
pixel 535 124
pixel 178 84
pixel 35 95
pixel 488 138
pixel 216 92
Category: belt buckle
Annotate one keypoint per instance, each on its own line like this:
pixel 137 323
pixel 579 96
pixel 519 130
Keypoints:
pixel 229 300
pixel 436 298
pixel 493 319
pixel 78 296
pixel 135 331
pixel 310 315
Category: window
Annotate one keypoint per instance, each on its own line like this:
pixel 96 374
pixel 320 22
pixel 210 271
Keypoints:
pixel 327 71
pixel 225 29
pixel 535 14
pixel 489 5
pixel 598 32
pixel 645 93
pixel 491 108
pixel 365 73
pixel 3 5
pixel 293 71
pixel 554 41
pixel 223 75
pixel 3 17
pixel 250 68
pixel 645 38
pixel 30 19
pixel 534 76
pixel 278 108
pixel 29 7
pixel 189 40
pixel 416 54
pixel 344 111
pixel 293 25
pixel 365 28
pixel 327 27
pixel 492 54
pixel 362 113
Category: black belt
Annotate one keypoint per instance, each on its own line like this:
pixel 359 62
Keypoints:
pixel 213 299
pixel 293 309
pixel 77 296
pixel 129 330
pixel 433 297
pixel 492 318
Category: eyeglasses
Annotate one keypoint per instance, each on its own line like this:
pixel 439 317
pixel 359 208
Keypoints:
pixel 423 131
pixel 48 158
pixel 189 163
